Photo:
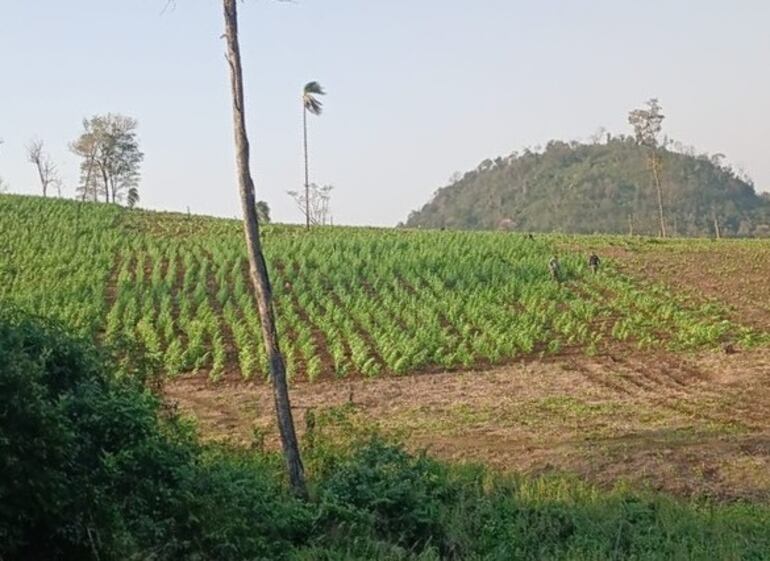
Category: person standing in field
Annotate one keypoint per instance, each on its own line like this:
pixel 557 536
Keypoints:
pixel 593 263
pixel 553 267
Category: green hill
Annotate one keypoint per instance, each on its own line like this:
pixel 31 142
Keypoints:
pixel 598 188
pixel 350 301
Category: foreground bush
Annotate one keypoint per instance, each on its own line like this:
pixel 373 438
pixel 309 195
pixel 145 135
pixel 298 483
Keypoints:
pixel 382 503
pixel 91 467
pixel 88 470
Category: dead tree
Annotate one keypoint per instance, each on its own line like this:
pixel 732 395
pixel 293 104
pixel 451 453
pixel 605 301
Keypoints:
pixel 257 265
pixel 647 127
pixel 46 169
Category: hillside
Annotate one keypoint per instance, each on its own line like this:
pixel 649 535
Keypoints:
pixel 350 301
pixel 597 188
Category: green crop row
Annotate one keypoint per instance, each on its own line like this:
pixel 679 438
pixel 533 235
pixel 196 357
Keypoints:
pixel 348 300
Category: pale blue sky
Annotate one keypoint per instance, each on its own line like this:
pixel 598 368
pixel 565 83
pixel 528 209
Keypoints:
pixel 416 89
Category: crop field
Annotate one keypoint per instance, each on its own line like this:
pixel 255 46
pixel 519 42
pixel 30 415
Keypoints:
pixel 350 301
pixel 655 370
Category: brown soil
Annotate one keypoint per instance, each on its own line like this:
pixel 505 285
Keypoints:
pixel 688 425
pixel 731 273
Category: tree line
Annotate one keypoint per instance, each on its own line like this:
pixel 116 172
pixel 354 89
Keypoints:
pixel 110 161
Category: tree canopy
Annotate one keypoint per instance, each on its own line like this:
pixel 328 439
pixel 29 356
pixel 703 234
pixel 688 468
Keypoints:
pixel 110 154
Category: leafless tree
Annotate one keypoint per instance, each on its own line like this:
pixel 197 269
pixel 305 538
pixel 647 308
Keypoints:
pixel 647 127
pixel 598 136
pixel 46 169
pixel 257 265
pixel 314 204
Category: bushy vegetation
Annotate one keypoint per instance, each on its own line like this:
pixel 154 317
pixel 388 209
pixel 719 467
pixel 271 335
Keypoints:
pixel 92 467
pixel 598 188
pixel 349 300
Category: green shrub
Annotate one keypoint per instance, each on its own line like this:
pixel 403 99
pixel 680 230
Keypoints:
pixel 89 470
pixel 387 492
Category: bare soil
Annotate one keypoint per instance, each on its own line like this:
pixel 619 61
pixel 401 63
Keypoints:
pixel 731 273
pixel 697 425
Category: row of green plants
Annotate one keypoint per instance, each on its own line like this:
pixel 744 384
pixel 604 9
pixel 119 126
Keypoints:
pixel 349 300
pixel 56 258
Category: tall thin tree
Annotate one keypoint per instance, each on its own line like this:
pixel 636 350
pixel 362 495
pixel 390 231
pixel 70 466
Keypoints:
pixel 647 127
pixel 257 265
pixel 310 104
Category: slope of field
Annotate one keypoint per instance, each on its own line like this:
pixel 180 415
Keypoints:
pixel 732 274
pixel 56 257
pixel 587 376
pixel 349 300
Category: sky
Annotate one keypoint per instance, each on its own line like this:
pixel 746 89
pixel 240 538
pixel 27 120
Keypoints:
pixel 416 90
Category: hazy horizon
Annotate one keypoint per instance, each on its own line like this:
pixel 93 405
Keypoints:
pixel 416 92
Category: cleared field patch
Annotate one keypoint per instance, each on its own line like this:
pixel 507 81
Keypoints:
pixel 732 273
pixel 690 425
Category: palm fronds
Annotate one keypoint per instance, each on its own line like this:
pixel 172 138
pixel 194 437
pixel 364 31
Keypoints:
pixel 312 103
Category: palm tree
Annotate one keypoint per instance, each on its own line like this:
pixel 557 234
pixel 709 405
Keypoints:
pixel 311 104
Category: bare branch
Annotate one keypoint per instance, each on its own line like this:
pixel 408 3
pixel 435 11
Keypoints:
pixel 46 169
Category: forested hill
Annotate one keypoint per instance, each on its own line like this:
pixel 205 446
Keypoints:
pixel 606 187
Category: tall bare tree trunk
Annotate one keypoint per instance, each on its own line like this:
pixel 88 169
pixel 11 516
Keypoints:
pixel 106 180
pixel 43 181
pixel 89 174
pixel 307 173
pixel 656 176
pixel 257 265
pixel 717 231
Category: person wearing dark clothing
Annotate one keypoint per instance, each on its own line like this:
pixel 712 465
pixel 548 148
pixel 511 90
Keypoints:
pixel 593 262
